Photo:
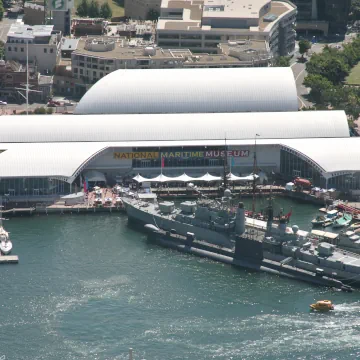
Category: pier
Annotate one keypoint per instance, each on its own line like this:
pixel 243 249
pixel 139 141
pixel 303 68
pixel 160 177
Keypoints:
pixel 9 259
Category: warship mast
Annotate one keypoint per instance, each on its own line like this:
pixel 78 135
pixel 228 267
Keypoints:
pixel 254 178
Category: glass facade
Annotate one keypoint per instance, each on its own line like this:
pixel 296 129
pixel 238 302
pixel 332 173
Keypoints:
pixel 33 186
pixel 291 165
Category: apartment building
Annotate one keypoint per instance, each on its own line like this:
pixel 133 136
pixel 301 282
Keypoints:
pixel 200 25
pixel 44 45
pixel 139 9
pixel 96 57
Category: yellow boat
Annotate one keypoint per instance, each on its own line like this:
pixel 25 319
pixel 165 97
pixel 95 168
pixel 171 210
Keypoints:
pixel 322 305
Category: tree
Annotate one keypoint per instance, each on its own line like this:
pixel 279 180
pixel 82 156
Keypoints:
pixel 40 111
pixel 320 88
pixel 152 15
pixel 1 10
pixel 2 50
pixel 304 47
pixel 282 61
pixel 105 11
pixel 94 10
pixel 82 9
pixel 355 10
pixel 333 67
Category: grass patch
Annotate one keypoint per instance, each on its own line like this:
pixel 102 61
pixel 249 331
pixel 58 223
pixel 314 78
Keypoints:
pixel 354 76
pixel 117 6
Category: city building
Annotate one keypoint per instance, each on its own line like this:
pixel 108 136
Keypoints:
pixel 34 14
pixel 83 27
pixel 200 25
pixel 13 78
pixel 68 46
pixel 48 155
pixel 322 16
pixel 62 21
pixel 93 58
pixel 44 45
pixel 139 9
pixel 201 90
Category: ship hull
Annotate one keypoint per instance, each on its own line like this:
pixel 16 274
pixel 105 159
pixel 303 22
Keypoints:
pixel 143 217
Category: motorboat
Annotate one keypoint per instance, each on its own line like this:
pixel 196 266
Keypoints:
pixel 325 220
pixel 118 201
pixel 354 226
pixel 319 220
pixel 98 202
pixel 322 305
pixel 98 192
pixel 5 242
pixel 108 201
pixel 342 221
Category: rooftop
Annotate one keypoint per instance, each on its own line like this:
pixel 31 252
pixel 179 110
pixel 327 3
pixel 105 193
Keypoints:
pixel 69 44
pixel 124 49
pixel 193 90
pixel 196 13
pixel 29 32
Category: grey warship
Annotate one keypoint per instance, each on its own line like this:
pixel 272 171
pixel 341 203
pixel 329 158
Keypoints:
pixel 220 223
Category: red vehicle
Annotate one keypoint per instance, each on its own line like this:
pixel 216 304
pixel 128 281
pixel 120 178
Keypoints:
pixel 302 182
pixel 53 103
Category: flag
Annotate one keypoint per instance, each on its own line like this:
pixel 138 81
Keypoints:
pixel 289 214
pixel 85 187
pixel 232 161
pixel 162 162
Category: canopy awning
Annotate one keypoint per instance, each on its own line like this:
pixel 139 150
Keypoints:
pixel 183 178
pixel 208 177
pixel 94 175
pixel 138 178
pixel 251 177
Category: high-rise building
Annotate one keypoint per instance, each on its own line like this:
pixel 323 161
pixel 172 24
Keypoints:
pixel 322 16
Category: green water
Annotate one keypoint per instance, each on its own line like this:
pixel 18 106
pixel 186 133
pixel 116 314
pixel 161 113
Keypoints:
pixel 89 287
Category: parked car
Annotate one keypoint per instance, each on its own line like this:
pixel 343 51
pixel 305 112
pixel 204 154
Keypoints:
pixel 3 102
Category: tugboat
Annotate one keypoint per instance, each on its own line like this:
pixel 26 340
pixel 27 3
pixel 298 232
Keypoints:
pixel 322 306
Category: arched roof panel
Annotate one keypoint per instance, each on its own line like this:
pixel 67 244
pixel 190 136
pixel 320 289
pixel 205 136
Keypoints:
pixel 201 90
pixel 172 127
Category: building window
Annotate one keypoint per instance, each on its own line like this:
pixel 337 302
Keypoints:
pixel 94 73
pixel 9 48
pixel 45 50
pixel 81 71
pixel 22 49
pixel 107 68
pixel 15 49
pixel 75 70
pixel 51 51
pixel 101 74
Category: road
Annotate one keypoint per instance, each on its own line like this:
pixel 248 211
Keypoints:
pixel 299 69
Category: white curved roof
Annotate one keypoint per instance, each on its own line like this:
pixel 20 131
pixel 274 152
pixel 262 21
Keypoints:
pixel 201 90
pixel 172 127
pixel 332 155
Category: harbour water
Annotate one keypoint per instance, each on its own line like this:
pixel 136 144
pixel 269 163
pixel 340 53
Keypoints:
pixel 90 287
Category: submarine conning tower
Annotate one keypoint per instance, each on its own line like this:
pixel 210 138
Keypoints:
pixel 240 219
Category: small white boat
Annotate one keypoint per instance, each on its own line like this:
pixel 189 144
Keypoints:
pixel 108 201
pixel 118 201
pixel 98 201
pixel 5 242
pixel 98 192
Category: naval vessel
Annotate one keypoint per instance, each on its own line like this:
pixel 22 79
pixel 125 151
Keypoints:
pixel 220 223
